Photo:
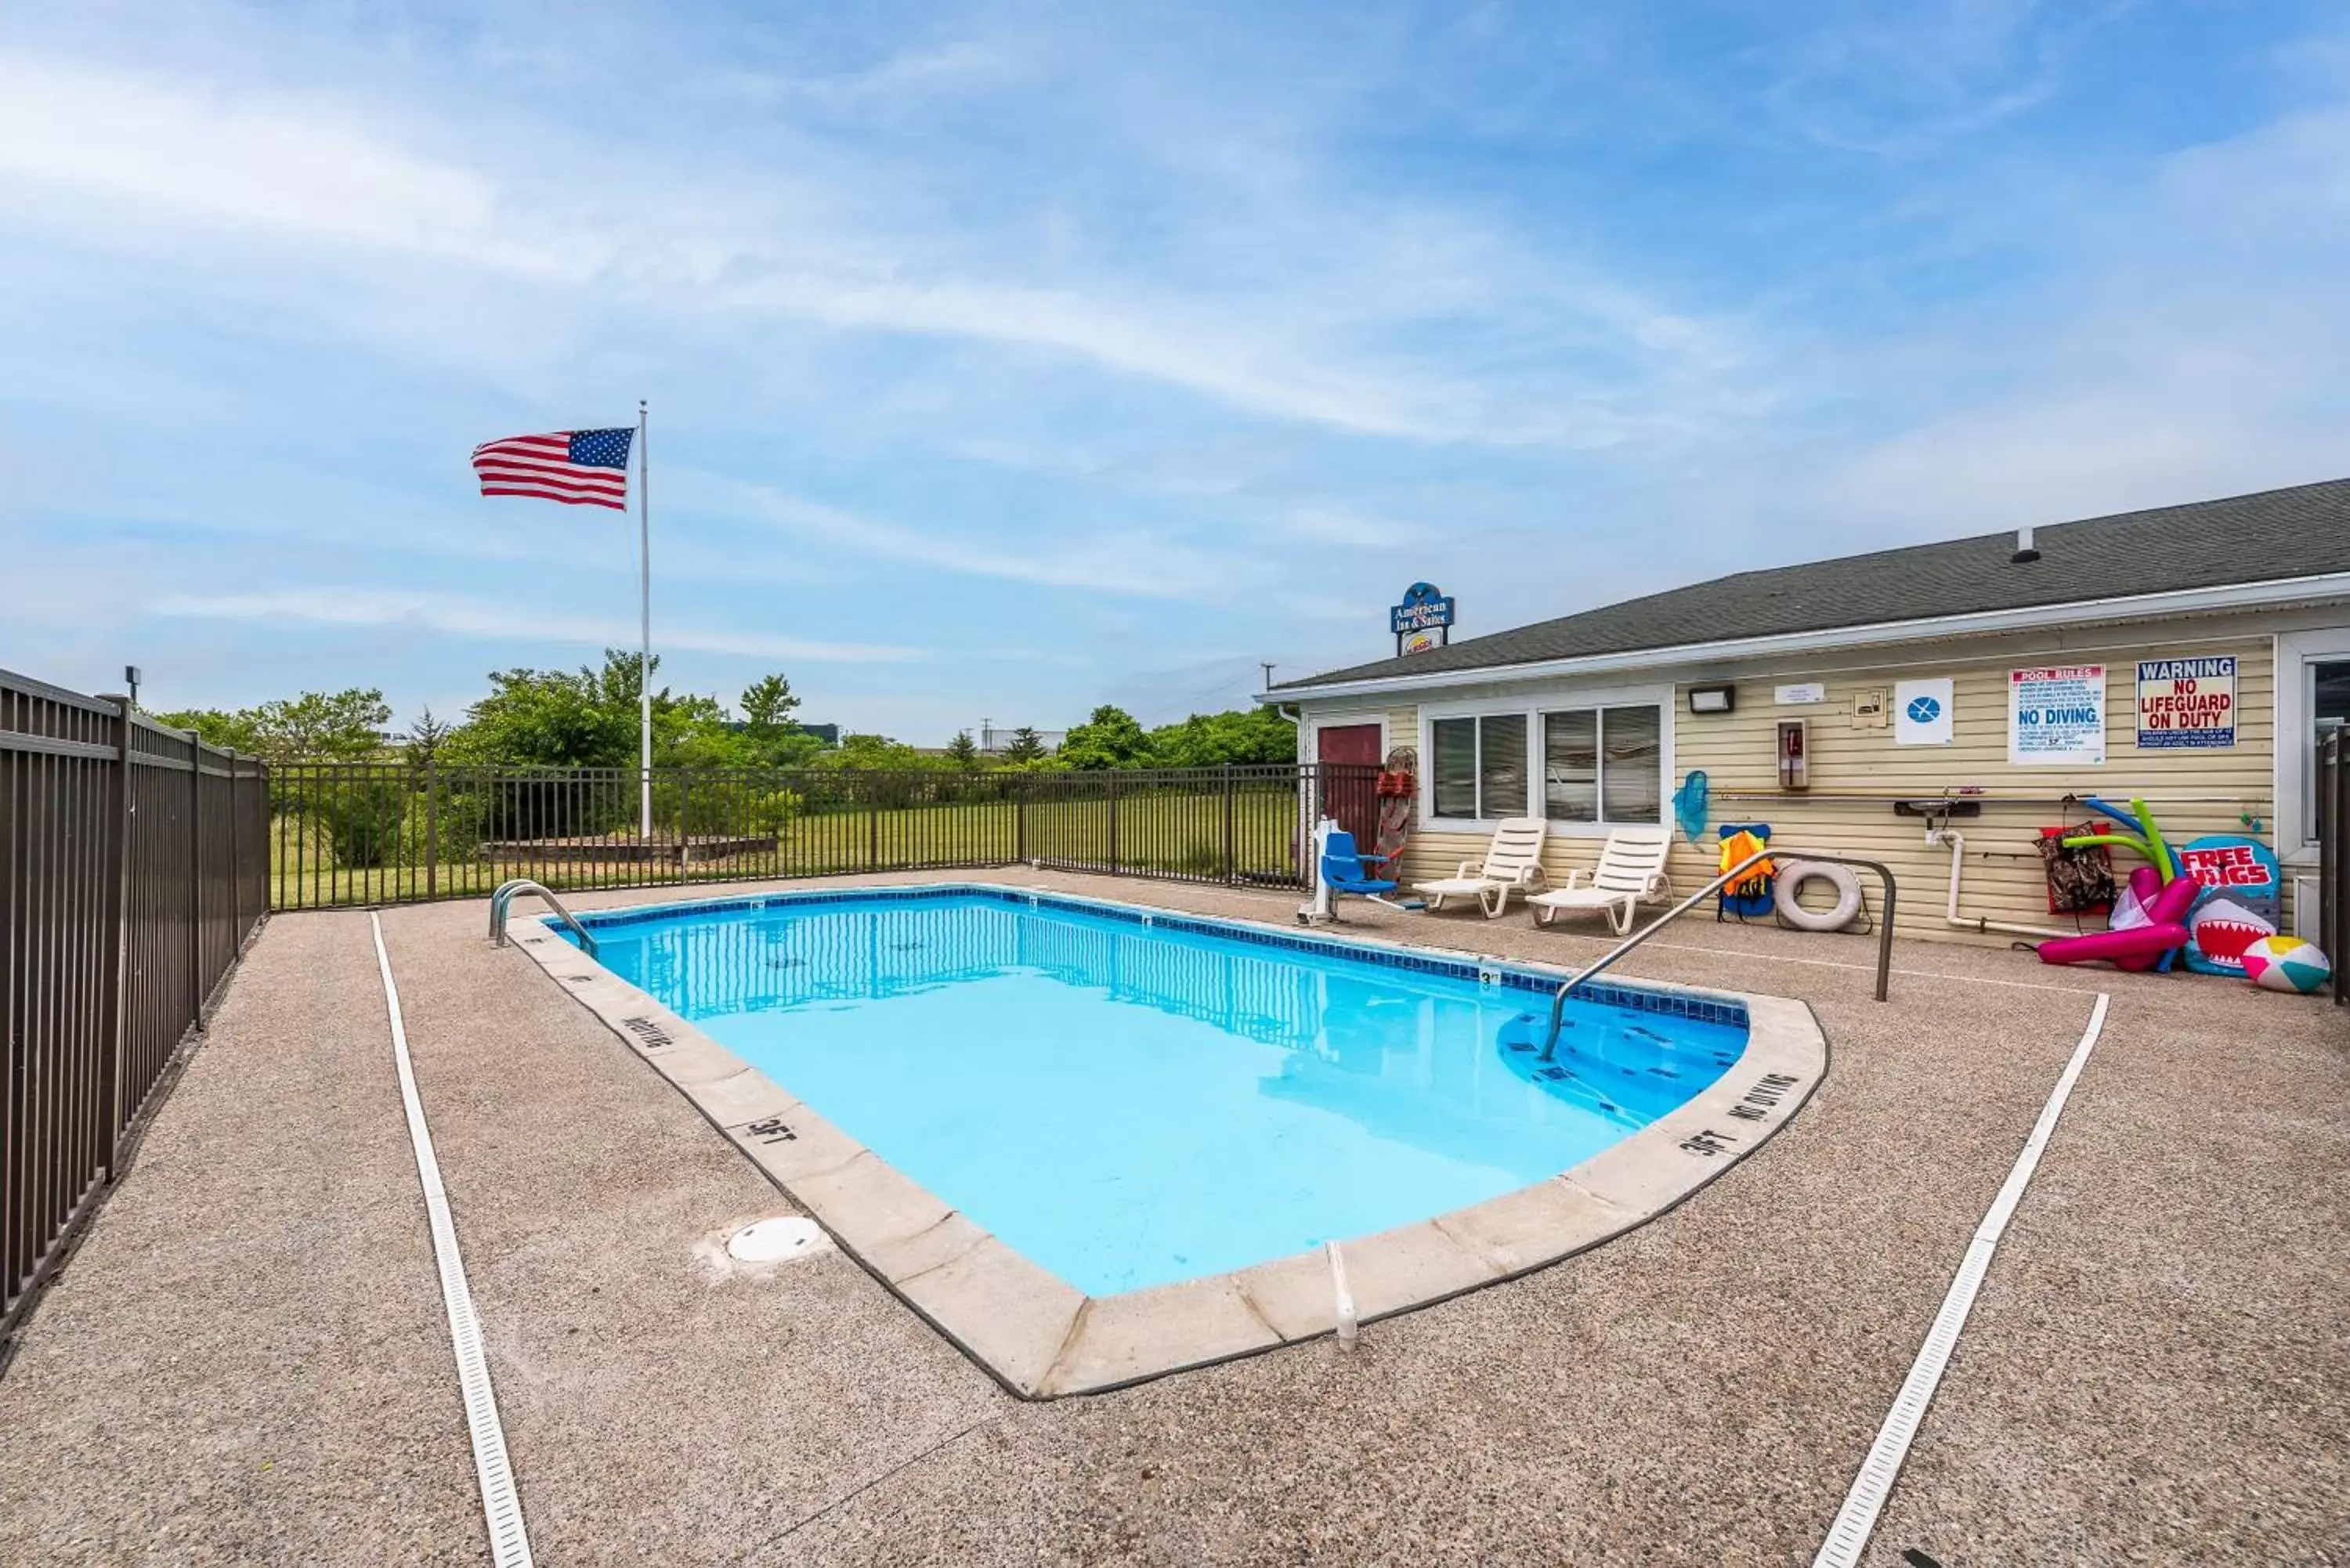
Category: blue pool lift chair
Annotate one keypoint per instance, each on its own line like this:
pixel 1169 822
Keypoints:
pixel 1342 869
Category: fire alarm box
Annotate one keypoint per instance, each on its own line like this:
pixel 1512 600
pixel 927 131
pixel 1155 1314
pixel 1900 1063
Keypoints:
pixel 1794 755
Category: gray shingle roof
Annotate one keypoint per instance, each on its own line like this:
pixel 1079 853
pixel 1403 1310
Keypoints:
pixel 2244 539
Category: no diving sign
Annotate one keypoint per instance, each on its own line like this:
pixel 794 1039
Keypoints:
pixel 2187 703
pixel 2056 714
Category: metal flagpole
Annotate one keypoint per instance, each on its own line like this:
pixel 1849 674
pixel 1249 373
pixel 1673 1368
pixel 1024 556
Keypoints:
pixel 645 627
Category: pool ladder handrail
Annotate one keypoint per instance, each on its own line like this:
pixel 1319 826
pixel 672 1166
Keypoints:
pixel 1883 926
pixel 506 895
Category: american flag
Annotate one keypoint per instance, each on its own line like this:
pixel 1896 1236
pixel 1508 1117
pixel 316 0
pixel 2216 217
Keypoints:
pixel 578 468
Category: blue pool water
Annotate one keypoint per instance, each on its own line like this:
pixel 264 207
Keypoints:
pixel 1132 1104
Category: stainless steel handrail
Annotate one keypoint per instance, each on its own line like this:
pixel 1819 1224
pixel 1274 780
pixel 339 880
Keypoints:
pixel 1884 927
pixel 506 895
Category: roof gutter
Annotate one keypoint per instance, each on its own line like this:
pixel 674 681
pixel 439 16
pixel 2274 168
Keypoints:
pixel 2279 593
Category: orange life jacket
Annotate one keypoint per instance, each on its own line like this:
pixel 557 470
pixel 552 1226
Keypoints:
pixel 1737 848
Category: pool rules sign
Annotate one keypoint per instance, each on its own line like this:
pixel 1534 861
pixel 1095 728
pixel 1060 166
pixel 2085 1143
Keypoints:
pixel 2187 703
pixel 2056 714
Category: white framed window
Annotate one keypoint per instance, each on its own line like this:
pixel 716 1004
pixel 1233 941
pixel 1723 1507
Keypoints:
pixel 1604 766
pixel 2313 695
pixel 1587 760
pixel 1477 771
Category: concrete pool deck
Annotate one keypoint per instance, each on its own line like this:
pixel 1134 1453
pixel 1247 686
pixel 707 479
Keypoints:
pixel 246 1361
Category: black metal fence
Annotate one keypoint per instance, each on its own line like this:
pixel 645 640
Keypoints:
pixel 2333 855
pixel 132 867
pixel 388 833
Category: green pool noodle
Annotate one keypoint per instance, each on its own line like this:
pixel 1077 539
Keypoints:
pixel 2126 840
pixel 2164 861
pixel 2152 845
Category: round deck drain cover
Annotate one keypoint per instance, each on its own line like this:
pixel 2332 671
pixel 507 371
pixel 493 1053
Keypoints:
pixel 774 1240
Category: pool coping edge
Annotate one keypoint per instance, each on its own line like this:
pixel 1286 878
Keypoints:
pixel 1041 1338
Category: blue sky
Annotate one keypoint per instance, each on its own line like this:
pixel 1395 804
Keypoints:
pixel 1007 359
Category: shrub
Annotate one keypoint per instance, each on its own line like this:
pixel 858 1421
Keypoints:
pixel 452 831
pixel 362 817
pixel 724 808
pixel 543 804
pixel 298 845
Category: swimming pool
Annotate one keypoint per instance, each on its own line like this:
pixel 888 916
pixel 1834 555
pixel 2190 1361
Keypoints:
pixel 1131 1100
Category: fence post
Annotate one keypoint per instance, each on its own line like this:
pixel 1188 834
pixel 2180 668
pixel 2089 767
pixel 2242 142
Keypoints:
pixel 1308 814
pixel 872 827
pixel 110 1091
pixel 195 880
pixel 2332 888
pixel 1112 776
pixel 431 827
pixel 236 866
pixel 2333 869
pixel 1231 870
pixel 1020 820
pixel 2321 826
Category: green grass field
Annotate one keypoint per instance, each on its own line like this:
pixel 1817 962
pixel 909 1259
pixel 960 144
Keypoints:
pixel 1162 835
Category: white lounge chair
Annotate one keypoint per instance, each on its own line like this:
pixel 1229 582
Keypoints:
pixel 1631 870
pixel 1513 862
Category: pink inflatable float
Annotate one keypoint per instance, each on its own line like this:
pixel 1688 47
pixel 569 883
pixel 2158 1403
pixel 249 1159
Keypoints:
pixel 2140 945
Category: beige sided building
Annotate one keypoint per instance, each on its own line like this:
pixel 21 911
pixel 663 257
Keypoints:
pixel 1974 671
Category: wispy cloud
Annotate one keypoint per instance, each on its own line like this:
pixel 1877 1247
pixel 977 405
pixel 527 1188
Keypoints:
pixel 1334 526
pixel 1114 559
pixel 88 148
pixel 115 148
pixel 335 605
pixel 901 84
pixel 1907 82
pixel 2207 364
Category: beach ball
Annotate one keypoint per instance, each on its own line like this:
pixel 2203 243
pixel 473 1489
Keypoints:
pixel 2285 963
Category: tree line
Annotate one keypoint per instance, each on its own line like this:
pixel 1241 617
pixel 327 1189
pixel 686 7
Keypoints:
pixel 590 718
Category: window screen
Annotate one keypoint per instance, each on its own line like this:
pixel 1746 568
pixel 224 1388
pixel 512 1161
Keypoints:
pixel 1454 783
pixel 1479 770
pixel 1502 766
pixel 1604 764
pixel 1571 766
pixel 1632 781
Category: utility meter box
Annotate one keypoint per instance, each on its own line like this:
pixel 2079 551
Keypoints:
pixel 1794 755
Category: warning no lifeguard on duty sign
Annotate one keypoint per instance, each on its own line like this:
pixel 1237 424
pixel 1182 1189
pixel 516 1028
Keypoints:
pixel 2187 703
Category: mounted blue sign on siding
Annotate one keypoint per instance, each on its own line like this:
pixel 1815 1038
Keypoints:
pixel 1424 609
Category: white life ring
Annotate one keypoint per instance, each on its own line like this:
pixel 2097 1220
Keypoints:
pixel 1793 874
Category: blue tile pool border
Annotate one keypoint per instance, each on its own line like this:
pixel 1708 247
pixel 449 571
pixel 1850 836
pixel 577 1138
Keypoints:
pixel 1673 1003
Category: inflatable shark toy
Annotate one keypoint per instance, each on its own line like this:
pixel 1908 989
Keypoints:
pixel 2219 931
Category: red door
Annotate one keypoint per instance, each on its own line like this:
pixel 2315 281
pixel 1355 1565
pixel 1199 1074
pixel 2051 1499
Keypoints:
pixel 1358 743
pixel 1350 759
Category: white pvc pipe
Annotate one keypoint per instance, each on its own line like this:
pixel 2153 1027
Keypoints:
pixel 1958 843
pixel 1348 1329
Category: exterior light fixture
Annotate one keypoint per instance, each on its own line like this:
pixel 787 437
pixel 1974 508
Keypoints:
pixel 1713 699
